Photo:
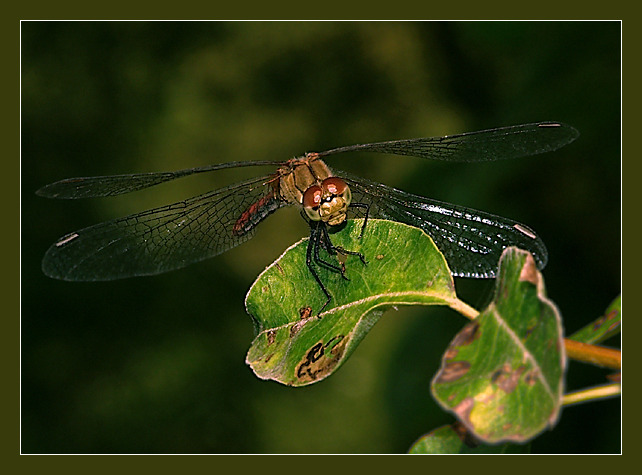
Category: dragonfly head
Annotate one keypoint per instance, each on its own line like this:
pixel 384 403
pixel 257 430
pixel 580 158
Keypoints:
pixel 327 202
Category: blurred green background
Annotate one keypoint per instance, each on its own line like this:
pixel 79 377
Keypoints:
pixel 156 364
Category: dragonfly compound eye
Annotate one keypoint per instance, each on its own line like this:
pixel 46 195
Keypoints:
pixel 334 185
pixel 311 201
pixel 335 201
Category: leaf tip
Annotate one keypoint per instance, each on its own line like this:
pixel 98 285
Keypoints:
pixel 529 272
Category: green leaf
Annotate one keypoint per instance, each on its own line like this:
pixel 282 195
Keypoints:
pixel 502 375
pixel 295 347
pixel 604 327
pixel 452 439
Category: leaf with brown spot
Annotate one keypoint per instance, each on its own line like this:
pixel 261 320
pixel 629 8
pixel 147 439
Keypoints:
pixel 512 388
pixel 307 349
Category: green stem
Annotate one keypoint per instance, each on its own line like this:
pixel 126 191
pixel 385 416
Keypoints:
pixel 598 392
pixel 463 308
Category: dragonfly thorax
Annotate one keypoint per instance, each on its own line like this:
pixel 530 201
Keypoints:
pixel 308 182
pixel 328 201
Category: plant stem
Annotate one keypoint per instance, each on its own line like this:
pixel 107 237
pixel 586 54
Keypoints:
pixel 463 308
pixel 598 392
pixel 598 355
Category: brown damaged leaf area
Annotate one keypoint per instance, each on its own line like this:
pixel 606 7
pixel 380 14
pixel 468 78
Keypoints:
pixel 529 271
pixel 453 370
pixel 271 336
pixel 466 336
pixel 463 410
pixel 321 359
pixel 506 378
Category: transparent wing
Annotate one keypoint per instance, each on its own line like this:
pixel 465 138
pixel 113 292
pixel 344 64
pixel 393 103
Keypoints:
pixel 164 238
pixel 100 186
pixel 471 241
pixel 176 235
pixel 493 144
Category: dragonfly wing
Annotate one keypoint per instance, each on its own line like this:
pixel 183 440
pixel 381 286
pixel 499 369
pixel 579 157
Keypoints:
pixel 100 186
pixel 161 239
pixel 472 241
pixel 485 145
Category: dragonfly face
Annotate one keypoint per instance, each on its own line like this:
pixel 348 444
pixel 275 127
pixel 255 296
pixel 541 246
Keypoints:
pixel 175 235
pixel 327 201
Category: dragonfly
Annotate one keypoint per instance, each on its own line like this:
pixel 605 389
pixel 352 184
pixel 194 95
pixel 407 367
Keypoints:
pixel 175 235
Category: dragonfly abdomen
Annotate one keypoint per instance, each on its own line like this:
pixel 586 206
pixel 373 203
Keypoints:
pixel 257 211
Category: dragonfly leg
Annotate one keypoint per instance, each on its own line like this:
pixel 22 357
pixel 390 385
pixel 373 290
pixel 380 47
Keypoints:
pixel 365 219
pixel 312 250
pixel 320 239
pixel 332 249
pixel 323 241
